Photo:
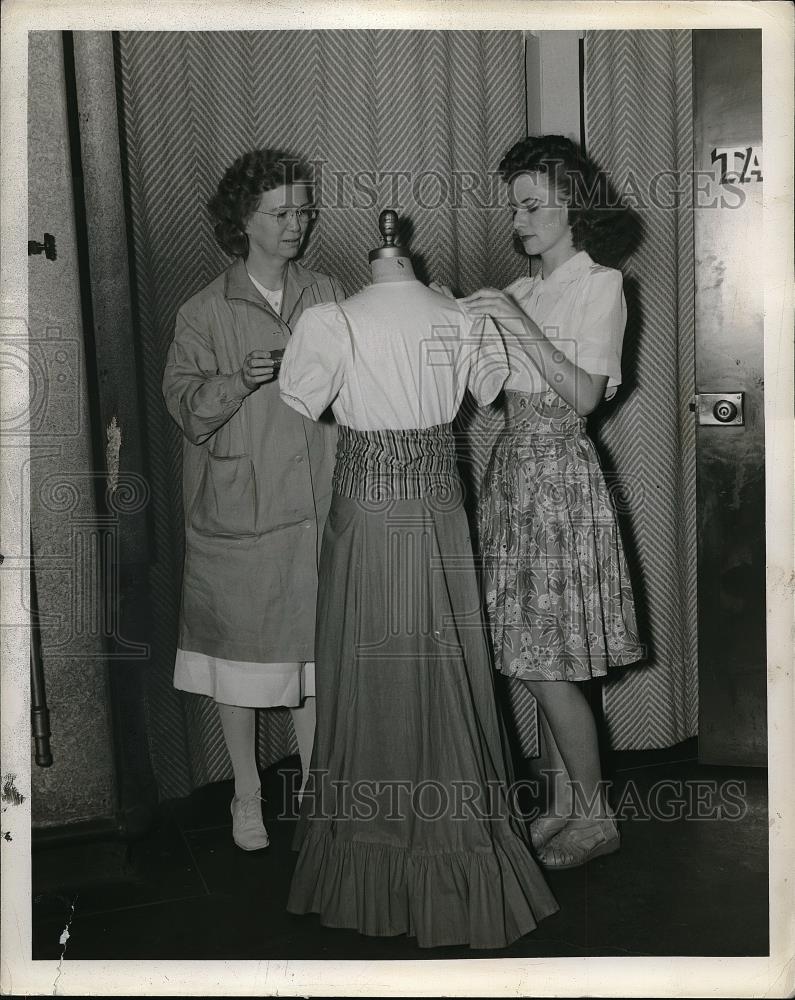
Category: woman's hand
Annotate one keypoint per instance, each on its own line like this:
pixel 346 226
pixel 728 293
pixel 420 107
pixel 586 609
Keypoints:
pixel 503 310
pixel 495 303
pixel 260 367
pixel 582 391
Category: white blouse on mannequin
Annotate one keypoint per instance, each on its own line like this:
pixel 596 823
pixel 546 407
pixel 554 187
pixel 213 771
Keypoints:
pixel 395 356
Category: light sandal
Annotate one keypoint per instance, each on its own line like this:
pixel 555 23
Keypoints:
pixel 543 830
pixel 576 846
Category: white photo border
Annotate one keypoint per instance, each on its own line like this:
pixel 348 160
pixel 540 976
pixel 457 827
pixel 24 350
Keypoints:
pixel 628 977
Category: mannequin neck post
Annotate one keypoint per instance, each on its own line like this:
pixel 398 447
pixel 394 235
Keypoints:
pixel 385 269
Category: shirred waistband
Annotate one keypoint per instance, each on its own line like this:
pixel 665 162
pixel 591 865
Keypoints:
pixel 541 414
pixel 396 464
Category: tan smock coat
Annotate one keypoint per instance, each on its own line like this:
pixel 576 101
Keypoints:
pixel 256 475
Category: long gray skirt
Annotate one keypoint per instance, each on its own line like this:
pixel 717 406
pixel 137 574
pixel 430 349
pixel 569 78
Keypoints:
pixel 406 827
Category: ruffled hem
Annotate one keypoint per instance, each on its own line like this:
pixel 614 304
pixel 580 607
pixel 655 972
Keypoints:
pixel 481 899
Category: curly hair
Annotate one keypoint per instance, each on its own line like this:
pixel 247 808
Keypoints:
pixel 600 223
pixel 241 187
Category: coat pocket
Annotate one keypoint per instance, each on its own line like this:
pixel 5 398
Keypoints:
pixel 226 500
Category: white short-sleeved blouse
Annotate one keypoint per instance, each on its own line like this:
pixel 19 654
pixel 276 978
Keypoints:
pixel 395 356
pixel 581 309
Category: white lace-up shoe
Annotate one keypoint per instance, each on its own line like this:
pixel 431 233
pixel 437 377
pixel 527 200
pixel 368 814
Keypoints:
pixel 248 830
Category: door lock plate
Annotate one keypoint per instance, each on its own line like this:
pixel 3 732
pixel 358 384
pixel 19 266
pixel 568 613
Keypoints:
pixel 720 408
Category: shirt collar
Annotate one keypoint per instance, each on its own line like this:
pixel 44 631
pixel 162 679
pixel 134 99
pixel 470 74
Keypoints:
pixel 240 286
pixel 567 272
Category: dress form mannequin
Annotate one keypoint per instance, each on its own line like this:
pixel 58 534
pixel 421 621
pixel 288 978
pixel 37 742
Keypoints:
pixel 398 704
pixel 390 262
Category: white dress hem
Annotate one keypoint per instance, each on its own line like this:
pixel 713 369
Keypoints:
pixel 248 685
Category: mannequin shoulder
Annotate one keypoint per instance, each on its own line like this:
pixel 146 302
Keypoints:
pixel 322 314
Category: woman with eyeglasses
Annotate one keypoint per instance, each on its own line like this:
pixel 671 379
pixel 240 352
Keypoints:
pixel 256 474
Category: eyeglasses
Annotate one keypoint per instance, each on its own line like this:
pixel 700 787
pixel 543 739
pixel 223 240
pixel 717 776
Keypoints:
pixel 284 215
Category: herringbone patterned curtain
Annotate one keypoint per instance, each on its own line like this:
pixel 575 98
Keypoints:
pixel 639 123
pixel 413 120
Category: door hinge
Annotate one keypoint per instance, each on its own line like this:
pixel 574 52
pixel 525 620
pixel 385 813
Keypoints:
pixel 47 247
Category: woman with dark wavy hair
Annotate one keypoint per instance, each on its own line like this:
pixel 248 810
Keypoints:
pixel 256 474
pixel 558 596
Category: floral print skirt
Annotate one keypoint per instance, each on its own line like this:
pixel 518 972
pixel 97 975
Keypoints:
pixel 558 595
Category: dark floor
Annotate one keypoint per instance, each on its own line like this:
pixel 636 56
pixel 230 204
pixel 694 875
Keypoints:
pixel 681 886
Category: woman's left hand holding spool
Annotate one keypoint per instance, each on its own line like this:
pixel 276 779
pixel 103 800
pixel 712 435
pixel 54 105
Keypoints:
pixel 259 367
